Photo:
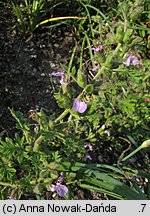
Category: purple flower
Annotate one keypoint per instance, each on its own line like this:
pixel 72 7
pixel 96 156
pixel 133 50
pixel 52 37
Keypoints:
pixel 79 106
pixel 98 49
pixel 131 59
pixel 87 157
pixel 89 146
pixel 62 190
pixel 60 74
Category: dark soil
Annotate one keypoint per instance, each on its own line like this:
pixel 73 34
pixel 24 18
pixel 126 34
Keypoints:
pixel 25 66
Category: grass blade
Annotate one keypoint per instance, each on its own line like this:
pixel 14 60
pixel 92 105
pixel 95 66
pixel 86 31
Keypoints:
pixel 57 19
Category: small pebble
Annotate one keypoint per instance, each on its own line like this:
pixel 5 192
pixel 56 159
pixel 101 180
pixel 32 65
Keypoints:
pixel 34 56
pixel 42 74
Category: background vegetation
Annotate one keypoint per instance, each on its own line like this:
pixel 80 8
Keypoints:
pixel 102 96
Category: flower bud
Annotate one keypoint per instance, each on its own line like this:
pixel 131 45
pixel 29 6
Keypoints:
pixel 146 144
pixel 127 35
pixel 81 79
pixel 108 61
pixel 119 34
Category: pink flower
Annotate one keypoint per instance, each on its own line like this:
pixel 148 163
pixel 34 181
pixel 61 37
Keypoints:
pixel 89 146
pixel 60 74
pixel 62 190
pixel 98 49
pixel 87 157
pixel 131 59
pixel 79 106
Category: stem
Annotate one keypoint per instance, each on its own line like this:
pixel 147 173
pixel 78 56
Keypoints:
pixel 62 115
pixel 38 141
pixel 132 153
pixel 95 77
pixel 103 67
pixel 145 144
pixel 58 18
pixel 7 184
pixel 99 73
pixel 116 50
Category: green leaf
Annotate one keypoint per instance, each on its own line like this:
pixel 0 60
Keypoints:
pixel 89 89
pixel 81 80
pixel 100 190
pixel 39 188
pixel 119 33
pixel 63 100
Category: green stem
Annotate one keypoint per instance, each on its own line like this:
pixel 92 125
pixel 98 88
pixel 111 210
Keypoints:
pixel 116 50
pixel 103 67
pixel 62 115
pixel 38 141
pixel 7 184
pixel 145 144
pixel 132 153
pixel 40 138
pixel 95 77
pixel 99 73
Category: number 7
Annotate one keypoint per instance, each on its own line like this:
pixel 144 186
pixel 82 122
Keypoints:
pixel 143 207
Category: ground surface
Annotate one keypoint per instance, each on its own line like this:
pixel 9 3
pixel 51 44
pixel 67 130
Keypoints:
pixel 25 67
